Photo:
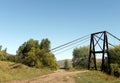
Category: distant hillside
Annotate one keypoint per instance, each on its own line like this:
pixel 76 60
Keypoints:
pixel 61 62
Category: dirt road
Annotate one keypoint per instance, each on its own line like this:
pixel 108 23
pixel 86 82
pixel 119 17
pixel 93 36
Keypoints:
pixel 57 77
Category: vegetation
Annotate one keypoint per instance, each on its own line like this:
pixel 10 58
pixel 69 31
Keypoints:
pixel 14 71
pixel 95 77
pixel 115 60
pixel 115 55
pixel 32 53
pixel 80 57
pixel 66 64
pixel 38 57
pixel 61 63
pixel 3 53
pixel 35 56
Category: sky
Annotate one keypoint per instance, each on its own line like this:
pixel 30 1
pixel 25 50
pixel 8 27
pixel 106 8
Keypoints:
pixel 60 21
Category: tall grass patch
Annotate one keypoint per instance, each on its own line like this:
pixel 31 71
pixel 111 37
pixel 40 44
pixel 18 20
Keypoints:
pixel 95 77
pixel 14 71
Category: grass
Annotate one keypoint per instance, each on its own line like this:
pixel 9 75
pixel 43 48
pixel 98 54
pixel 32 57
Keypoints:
pixel 95 77
pixel 15 71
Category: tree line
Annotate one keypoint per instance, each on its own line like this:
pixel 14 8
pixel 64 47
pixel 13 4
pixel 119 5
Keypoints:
pixel 80 59
pixel 33 54
pixel 37 54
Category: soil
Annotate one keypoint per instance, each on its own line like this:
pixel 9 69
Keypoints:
pixel 57 77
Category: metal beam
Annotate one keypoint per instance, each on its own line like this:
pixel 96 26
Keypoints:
pixel 103 51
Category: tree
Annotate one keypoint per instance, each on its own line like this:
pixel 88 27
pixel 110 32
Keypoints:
pixel 10 58
pixel 66 65
pixel 0 47
pixel 114 54
pixel 50 61
pixel 34 54
pixel 45 44
pixel 27 51
pixel 3 53
pixel 80 57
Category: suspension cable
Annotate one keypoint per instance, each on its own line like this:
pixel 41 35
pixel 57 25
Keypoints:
pixel 113 36
pixel 72 47
pixel 61 48
pixel 69 43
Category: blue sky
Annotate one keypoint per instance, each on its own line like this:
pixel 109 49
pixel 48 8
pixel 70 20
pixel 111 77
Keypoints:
pixel 59 20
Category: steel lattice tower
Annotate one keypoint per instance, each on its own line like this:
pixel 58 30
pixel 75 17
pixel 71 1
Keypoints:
pixel 99 39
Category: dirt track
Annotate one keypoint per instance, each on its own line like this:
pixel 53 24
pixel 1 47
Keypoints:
pixel 57 77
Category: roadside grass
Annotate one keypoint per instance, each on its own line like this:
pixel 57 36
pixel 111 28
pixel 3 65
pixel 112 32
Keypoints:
pixel 95 77
pixel 15 71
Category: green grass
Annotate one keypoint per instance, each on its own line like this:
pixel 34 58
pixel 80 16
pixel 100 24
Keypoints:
pixel 95 77
pixel 15 71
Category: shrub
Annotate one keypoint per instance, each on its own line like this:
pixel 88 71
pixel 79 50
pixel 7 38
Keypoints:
pixel 115 70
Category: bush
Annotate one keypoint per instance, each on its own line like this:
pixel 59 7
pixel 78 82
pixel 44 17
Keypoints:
pixel 115 70
pixel 66 65
pixel 80 57
pixel 33 54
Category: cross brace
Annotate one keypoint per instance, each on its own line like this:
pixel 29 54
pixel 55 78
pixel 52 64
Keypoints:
pixel 103 51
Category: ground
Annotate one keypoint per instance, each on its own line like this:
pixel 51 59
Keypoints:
pixel 57 77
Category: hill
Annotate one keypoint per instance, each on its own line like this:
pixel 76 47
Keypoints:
pixel 61 62
pixel 15 71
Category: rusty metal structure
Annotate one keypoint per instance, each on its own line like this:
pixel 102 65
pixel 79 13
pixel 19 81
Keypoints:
pixel 100 40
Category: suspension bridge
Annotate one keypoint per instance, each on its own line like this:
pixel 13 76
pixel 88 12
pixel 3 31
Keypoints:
pixel 98 43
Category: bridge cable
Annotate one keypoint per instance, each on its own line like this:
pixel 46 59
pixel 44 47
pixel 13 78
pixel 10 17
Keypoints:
pixel 71 47
pixel 68 43
pixel 113 36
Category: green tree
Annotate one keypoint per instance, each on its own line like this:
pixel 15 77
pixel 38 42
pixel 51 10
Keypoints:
pixel 3 53
pixel 50 61
pixel 32 53
pixel 66 64
pixel 115 55
pixel 80 57
pixel 45 44
pixel 10 58
pixel 0 47
pixel 27 51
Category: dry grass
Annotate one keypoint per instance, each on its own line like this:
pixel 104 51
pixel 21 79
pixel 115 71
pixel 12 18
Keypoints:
pixel 95 77
pixel 14 71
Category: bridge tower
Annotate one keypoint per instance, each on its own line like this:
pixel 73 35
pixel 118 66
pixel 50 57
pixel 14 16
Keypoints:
pixel 99 40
